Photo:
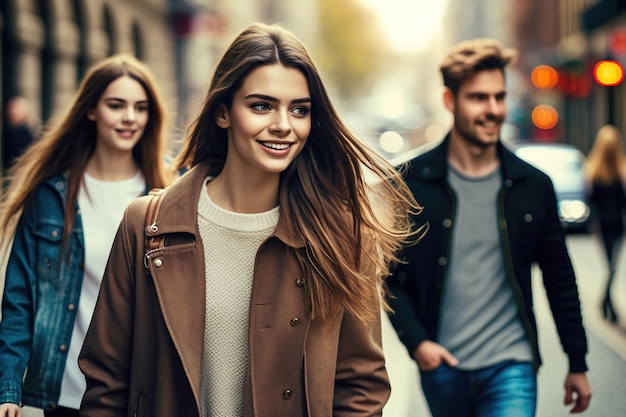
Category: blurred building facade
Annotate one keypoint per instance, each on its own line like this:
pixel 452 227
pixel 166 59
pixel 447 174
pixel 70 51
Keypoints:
pixel 47 45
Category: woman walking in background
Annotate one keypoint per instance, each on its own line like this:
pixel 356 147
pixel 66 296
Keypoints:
pixel 606 176
pixel 69 191
pixel 263 298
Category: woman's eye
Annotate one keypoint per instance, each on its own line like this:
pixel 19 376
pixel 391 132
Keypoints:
pixel 115 106
pixel 142 108
pixel 261 106
pixel 302 111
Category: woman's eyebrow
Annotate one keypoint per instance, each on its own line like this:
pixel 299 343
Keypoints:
pixel 275 100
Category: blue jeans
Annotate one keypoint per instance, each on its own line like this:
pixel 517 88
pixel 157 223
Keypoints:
pixel 506 389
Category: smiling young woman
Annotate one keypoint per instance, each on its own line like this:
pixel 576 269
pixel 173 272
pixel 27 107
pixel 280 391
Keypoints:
pixel 65 200
pixel 264 298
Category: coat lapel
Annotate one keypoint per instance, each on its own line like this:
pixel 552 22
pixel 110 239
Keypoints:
pixel 177 270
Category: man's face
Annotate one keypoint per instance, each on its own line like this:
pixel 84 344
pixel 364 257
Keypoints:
pixel 478 108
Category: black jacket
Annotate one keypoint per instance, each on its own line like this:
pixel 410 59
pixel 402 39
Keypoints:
pixel 530 231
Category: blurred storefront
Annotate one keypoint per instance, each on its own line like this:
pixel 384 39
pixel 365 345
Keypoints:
pixel 604 25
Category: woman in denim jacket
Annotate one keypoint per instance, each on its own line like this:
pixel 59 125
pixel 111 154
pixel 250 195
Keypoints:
pixel 69 191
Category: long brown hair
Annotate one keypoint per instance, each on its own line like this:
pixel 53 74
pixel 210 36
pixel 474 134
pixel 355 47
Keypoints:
pixel 69 141
pixel 349 245
pixel 606 163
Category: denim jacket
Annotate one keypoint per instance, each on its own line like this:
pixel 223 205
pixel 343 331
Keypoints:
pixel 40 300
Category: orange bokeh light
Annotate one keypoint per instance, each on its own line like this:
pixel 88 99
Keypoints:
pixel 544 116
pixel 544 76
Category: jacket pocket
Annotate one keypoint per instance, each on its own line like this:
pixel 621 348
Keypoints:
pixel 48 235
pixel 140 405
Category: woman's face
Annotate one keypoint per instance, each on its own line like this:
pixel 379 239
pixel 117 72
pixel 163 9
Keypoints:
pixel 269 120
pixel 121 115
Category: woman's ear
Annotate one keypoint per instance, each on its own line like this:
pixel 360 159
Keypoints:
pixel 222 117
pixel 91 114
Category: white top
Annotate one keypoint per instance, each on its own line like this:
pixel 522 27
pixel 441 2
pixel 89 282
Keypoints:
pixel 231 241
pixel 102 205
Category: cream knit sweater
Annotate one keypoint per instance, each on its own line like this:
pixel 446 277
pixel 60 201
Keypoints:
pixel 231 241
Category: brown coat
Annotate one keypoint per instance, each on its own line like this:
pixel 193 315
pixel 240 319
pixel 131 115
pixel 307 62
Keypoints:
pixel 143 352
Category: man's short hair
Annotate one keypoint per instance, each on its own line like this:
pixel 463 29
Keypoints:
pixel 472 56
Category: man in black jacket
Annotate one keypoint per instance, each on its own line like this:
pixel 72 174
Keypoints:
pixel 463 300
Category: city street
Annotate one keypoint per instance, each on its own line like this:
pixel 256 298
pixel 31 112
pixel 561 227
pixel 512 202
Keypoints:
pixel 607 347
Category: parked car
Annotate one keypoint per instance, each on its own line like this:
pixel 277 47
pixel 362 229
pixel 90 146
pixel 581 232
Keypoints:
pixel 564 164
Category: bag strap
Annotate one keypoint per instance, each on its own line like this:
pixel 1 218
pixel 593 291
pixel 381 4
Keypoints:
pixel 152 242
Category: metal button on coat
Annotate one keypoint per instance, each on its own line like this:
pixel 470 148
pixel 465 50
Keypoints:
pixel 447 223
pixel 287 394
pixel 54 233
pixel 63 348
pixel 158 262
pixel 528 217
pixel 442 260
pixel 71 307
pixel 295 322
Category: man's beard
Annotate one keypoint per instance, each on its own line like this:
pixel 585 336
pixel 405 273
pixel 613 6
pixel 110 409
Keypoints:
pixel 473 139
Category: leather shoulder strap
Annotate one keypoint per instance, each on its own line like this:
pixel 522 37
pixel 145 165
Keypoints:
pixel 151 227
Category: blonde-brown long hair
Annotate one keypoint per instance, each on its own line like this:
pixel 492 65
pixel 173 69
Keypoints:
pixel 606 163
pixel 69 141
pixel 349 245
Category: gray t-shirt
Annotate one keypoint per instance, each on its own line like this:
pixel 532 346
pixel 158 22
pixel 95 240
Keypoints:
pixel 480 322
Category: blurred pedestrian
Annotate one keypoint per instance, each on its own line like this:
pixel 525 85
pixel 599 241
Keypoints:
pixel 463 299
pixel 69 191
pixel 264 296
pixel 18 133
pixel 606 177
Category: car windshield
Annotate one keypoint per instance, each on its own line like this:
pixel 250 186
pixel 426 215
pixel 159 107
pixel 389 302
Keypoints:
pixel 563 166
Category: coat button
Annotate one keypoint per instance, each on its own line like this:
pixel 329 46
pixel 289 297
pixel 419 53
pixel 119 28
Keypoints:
pixel 508 183
pixel 54 233
pixel 63 348
pixel 294 322
pixel 299 282
pixel 447 223
pixel 71 307
pixel 442 260
pixel 528 217
pixel 287 394
pixel 158 262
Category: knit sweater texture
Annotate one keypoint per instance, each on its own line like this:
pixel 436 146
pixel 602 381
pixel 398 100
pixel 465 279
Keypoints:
pixel 231 241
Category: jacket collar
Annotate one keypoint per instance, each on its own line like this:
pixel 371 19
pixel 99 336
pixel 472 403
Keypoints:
pixel 179 207
pixel 433 165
